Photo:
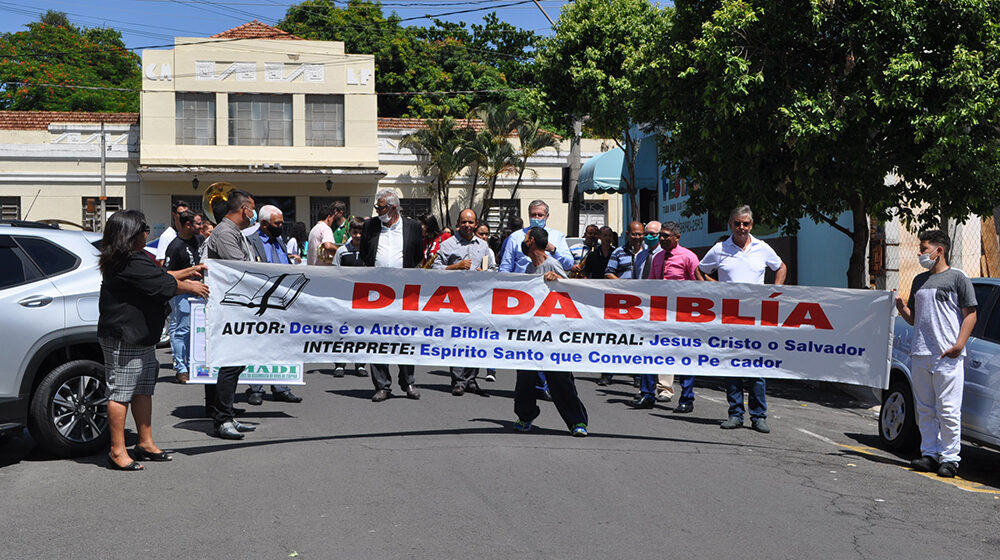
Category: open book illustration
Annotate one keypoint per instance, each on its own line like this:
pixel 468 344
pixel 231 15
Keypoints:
pixel 256 289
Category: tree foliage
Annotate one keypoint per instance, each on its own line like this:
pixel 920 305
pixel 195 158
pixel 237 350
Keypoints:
pixel 64 54
pixel 442 145
pixel 802 109
pixel 446 56
pixel 592 68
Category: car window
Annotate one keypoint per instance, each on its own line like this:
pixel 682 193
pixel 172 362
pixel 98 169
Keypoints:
pixel 49 257
pixel 983 294
pixel 14 271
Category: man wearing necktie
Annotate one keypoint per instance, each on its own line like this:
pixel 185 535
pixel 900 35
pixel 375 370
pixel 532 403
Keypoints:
pixel 268 247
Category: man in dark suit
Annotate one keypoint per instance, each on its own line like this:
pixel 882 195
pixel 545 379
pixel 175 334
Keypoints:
pixel 391 241
pixel 268 247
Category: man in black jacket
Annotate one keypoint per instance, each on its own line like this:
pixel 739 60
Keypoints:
pixel 391 241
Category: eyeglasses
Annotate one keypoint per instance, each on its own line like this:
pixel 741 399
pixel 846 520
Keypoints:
pixel 744 224
pixel 381 208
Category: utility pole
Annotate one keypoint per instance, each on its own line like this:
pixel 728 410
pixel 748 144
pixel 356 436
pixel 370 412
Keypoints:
pixel 544 13
pixel 104 187
pixel 575 199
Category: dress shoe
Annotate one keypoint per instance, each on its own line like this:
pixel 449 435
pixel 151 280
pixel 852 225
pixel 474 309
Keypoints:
pixel 458 390
pixel 924 464
pixel 412 393
pixel 760 425
pixel 604 380
pixel 338 372
pixel 255 398
pixel 143 455
pixel 380 395
pixel 732 423
pixel 360 371
pixel 948 469
pixel 286 396
pixel 243 428
pixel 228 431
pixel 182 378
pixel 642 401
pixel 684 408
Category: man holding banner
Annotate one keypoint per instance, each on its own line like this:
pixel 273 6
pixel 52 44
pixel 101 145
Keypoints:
pixel 561 385
pixel 465 251
pixel 743 258
pixel 391 241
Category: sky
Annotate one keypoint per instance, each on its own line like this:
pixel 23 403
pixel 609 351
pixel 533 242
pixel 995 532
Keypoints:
pixel 154 23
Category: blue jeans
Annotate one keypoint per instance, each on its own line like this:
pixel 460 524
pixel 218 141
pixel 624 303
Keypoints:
pixel 179 330
pixel 687 388
pixel 734 394
pixel 647 385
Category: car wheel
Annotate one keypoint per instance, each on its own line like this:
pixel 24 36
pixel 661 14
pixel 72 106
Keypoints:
pixel 897 419
pixel 69 410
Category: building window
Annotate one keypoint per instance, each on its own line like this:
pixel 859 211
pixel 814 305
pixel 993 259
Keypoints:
pixel 92 210
pixel 502 210
pixel 10 208
pixel 324 120
pixel 593 212
pixel 414 207
pixel 318 204
pixel 195 118
pixel 260 120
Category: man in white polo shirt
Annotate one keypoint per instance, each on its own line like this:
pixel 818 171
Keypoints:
pixel 743 258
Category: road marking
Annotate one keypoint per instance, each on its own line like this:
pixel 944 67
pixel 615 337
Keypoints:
pixel 957 482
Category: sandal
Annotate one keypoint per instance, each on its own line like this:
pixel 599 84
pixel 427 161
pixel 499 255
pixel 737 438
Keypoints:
pixel 133 466
pixel 143 455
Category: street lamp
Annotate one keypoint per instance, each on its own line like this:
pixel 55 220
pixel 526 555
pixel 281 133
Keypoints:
pixel 329 185
pixel 194 183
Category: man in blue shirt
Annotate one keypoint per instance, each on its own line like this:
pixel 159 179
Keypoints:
pixel 268 247
pixel 514 260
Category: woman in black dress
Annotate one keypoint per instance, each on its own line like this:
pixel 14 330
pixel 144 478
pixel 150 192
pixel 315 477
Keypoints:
pixel 133 307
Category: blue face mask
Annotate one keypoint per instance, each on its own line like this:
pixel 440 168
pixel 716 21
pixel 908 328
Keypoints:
pixel 537 222
pixel 253 219
pixel 652 240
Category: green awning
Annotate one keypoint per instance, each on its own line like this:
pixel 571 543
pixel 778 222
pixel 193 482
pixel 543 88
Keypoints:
pixel 604 173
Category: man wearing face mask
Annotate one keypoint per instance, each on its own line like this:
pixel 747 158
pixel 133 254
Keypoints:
pixel 268 247
pixel 942 310
pixel 743 258
pixel 227 242
pixel 391 241
pixel 513 258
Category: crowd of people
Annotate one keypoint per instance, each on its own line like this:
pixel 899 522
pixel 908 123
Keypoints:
pixel 137 292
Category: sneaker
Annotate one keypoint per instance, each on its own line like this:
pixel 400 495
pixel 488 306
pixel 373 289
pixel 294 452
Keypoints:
pixel 491 375
pixel 760 425
pixel 948 469
pixel 924 464
pixel 733 423
pixel 338 372
pixel 522 425
pixel 360 371
pixel 579 430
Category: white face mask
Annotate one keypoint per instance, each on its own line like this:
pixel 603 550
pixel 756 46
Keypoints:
pixel 384 218
pixel 926 261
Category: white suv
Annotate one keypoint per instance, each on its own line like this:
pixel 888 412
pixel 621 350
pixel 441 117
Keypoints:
pixel 52 377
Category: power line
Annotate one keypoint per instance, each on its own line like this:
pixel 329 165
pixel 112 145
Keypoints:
pixel 386 93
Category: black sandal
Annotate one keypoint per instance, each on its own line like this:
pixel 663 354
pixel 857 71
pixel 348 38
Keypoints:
pixel 133 466
pixel 143 455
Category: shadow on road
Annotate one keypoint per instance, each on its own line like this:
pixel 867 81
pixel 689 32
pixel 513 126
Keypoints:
pixel 979 465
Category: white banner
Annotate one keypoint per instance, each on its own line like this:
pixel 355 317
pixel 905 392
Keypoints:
pixel 267 313
pixel 253 374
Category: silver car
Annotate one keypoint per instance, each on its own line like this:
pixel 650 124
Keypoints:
pixel 52 379
pixel 981 398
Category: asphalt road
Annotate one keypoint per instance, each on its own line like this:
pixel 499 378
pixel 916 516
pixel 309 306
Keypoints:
pixel 338 476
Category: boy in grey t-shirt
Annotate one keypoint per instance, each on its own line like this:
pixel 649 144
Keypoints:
pixel 942 310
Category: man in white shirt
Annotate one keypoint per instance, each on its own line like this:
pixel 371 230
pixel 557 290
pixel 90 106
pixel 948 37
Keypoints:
pixel 321 237
pixel 170 233
pixel 391 241
pixel 743 258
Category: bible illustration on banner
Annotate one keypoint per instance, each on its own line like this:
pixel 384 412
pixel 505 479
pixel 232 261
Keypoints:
pixel 265 313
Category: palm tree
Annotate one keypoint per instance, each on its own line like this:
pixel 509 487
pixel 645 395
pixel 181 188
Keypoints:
pixel 443 144
pixel 492 151
pixel 533 140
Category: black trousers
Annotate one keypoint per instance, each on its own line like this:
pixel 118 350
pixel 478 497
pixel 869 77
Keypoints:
pixel 564 396
pixel 464 376
pixel 382 379
pixel 221 395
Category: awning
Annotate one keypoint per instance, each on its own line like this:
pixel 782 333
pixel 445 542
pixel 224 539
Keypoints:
pixel 604 173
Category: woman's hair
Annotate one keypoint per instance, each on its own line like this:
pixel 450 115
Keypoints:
pixel 431 225
pixel 299 232
pixel 119 239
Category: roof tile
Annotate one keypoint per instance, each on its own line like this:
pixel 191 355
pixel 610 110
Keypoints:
pixel 256 30
pixel 40 120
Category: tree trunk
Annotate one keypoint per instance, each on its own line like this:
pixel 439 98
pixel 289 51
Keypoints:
pixel 445 204
pixel 860 236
